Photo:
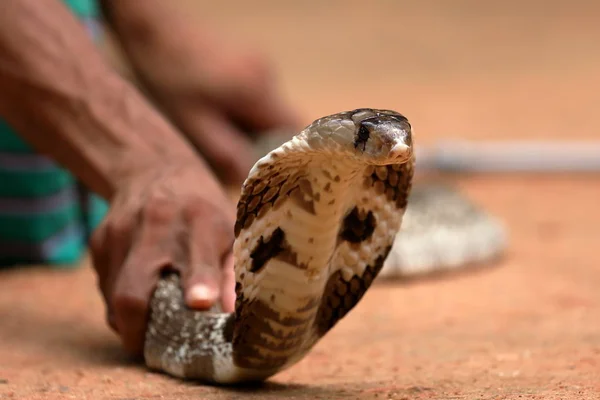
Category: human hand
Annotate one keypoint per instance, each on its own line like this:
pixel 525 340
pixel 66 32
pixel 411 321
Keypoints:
pixel 218 94
pixel 170 217
pixel 221 104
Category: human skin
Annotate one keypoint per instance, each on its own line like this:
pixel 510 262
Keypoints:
pixel 215 92
pixel 167 208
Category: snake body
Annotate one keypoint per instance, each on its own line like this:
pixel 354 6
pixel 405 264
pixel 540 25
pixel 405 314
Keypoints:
pixel 443 231
pixel 316 220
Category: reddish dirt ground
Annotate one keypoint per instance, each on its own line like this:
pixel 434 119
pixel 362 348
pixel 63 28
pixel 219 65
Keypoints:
pixel 528 328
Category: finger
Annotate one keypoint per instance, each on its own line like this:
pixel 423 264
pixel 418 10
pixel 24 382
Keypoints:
pixel 100 256
pixel 227 149
pixel 99 251
pixel 209 240
pixel 149 254
pixel 133 289
pixel 263 110
pixel 110 240
pixel 201 289
pixel 228 285
pixel 201 276
pixel 109 245
pixel 255 101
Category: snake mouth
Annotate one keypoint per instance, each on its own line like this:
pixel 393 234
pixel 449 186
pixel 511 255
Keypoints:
pixel 383 139
pixel 400 152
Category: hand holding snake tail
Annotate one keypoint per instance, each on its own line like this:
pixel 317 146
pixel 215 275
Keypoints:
pixel 316 220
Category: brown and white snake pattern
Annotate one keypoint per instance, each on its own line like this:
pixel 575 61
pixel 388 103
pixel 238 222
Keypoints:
pixel 318 219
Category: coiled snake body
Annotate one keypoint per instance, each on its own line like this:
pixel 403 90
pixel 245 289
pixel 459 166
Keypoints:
pixel 316 221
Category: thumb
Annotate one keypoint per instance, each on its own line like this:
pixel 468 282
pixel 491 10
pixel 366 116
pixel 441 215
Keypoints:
pixel 201 294
pixel 202 279
pixel 210 238
pixel 201 287
pixel 228 294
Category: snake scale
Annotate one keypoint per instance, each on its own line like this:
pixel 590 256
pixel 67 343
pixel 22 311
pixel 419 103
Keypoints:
pixel 319 217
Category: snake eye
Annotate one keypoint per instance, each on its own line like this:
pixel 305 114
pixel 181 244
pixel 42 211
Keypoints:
pixel 362 137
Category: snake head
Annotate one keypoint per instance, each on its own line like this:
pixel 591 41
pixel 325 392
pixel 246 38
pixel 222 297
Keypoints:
pixel 371 136
pixel 382 136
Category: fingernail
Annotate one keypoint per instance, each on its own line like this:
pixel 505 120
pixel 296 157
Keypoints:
pixel 201 295
pixel 203 292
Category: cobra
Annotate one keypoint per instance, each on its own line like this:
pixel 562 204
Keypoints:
pixel 316 220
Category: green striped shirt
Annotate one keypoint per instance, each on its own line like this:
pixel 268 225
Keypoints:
pixel 46 215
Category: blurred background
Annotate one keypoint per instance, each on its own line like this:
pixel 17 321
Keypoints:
pixel 467 69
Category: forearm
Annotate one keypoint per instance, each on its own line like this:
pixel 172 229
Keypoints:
pixel 60 95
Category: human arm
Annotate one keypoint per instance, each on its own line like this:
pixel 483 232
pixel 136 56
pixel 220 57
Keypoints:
pixel 220 95
pixel 167 209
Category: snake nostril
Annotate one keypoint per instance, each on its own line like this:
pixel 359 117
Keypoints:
pixel 399 151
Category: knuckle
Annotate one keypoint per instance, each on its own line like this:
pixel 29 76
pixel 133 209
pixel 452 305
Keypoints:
pixel 215 224
pixel 117 229
pixel 157 210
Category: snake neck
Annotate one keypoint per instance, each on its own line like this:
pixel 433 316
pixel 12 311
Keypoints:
pixel 329 193
pixel 301 225
pixel 281 272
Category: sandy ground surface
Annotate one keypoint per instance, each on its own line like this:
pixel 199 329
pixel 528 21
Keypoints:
pixel 528 328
